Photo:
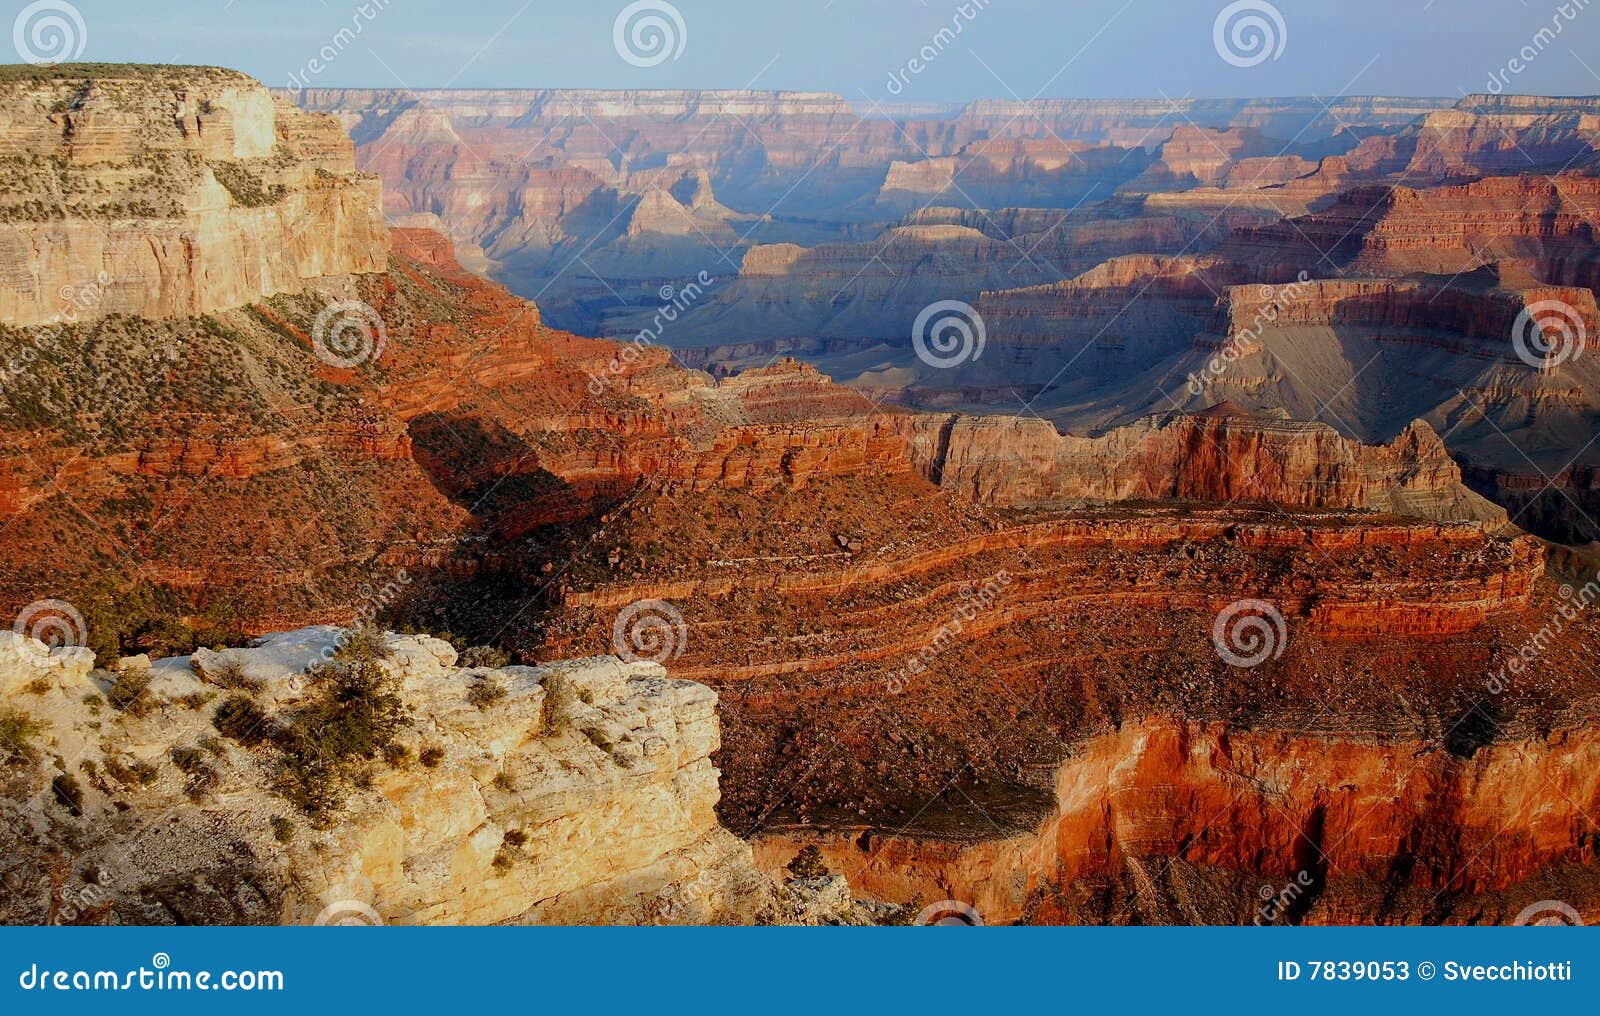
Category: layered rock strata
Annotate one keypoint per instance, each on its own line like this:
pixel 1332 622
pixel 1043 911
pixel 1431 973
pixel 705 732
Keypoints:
pixel 168 193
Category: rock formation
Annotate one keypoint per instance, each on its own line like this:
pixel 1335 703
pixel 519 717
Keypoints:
pixel 1223 455
pixel 167 194
pixel 964 655
pixel 575 792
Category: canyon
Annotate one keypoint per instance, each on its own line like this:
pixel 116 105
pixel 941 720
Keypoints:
pixel 663 614
pixel 1113 250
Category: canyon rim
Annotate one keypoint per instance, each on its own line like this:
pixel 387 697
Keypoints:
pixel 526 504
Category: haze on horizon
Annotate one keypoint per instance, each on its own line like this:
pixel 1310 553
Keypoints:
pixel 1004 48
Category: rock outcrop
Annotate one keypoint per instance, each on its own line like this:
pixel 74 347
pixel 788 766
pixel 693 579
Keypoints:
pixel 1223 455
pixel 579 792
pixel 1178 823
pixel 164 193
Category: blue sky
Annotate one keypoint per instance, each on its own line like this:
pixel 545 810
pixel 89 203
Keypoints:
pixel 1021 48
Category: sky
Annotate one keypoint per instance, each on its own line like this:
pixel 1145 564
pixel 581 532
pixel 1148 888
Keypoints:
pixel 866 50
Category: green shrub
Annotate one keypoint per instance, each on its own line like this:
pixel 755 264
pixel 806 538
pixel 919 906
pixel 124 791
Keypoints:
pixel 431 757
pixel 485 693
pixel 363 644
pixel 490 657
pixel 353 716
pixel 131 692
pixel 230 674
pixel 188 760
pixel 808 863
pixel 282 829
pixel 240 719
pixel 17 731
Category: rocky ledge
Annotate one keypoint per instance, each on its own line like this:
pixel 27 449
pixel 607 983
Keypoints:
pixel 172 792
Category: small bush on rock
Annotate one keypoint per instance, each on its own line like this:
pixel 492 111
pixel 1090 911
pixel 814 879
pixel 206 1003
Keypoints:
pixel 17 731
pixel 808 863
pixel 240 719
pixel 353 716
pixel 364 644
pixel 488 657
pixel 131 692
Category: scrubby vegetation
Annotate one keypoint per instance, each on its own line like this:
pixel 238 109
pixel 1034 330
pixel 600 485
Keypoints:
pixel 808 863
pixel 230 674
pixel 68 793
pixel 353 717
pixel 246 186
pixel 239 719
pixel 17 731
pixel 131 692
pixel 364 644
pixel 485 692
pixel 488 657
